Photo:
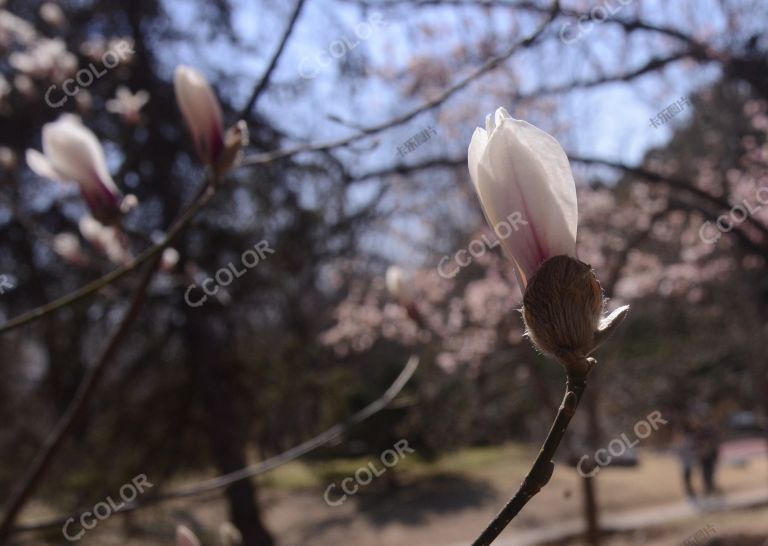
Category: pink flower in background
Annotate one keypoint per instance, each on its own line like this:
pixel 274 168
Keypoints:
pixel 516 167
pixel 109 240
pixel 202 113
pixel 128 104
pixel 397 285
pixel 72 153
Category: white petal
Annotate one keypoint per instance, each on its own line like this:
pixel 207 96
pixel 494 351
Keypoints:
pixel 201 110
pixel 525 170
pixel 476 148
pixel 76 154
pixel 41 166
pixel 500 115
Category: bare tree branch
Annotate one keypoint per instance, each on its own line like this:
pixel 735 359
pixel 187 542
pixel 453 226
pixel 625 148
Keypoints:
pixel 487 66
pixel 265 79
pixel 263 467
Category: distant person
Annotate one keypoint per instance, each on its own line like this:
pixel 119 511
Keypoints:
pixel 688 457
pixel 707 448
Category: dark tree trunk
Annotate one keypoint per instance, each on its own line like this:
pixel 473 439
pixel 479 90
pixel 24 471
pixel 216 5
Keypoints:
pixel 214 381
pixel 594 434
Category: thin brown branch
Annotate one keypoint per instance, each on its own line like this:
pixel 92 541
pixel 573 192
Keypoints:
pixel 75 411
pixel 263 467
pixel 202 199
pixel 264 81
pixel 487 66
pixel 542 468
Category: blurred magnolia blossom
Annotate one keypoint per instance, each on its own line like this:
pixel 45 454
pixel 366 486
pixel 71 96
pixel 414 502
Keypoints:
pixel 14 29
pixel 203 117
pixel 72 153
pixel 397 285
pixel 169 260
pixel 109 240
pixel 128 104
pixel 25 85
pixel 45 59
pixel 51 13
pixel 67 245
pixel 8 159
pixel 96 48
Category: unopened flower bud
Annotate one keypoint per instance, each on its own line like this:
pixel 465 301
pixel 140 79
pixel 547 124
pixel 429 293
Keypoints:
pixel 234 141
pixel 562 309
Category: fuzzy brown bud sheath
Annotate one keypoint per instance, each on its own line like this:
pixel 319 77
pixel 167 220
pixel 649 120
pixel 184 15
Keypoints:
pixel 562 306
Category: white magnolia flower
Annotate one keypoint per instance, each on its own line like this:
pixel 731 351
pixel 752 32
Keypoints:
pixel 72 153
pixel 397 286
pixel 518 168
pixel 202 113
pixel 185 537
pixel 128 104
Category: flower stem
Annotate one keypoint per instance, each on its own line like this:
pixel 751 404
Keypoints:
pixel 542 468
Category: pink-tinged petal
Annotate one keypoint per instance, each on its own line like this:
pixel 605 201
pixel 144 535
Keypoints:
pixel 202 113
pixel 73 153
pixel 41 166
pixel 185 537
pixel 521 170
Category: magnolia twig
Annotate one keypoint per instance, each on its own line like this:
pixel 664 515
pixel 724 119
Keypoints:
pixel 74 411
pixel 199 202
pixel 542 468
pixel 265 79
pixel 263 467
pixel 90 381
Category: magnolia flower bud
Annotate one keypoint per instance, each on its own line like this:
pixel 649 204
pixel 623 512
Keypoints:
pixel 517 168
pixel 67 245
pixel 234 141
pixel 396 284
pixel 202 113
pixel 185 537
pixel 72 153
